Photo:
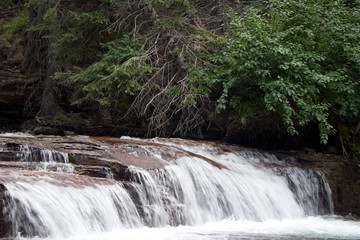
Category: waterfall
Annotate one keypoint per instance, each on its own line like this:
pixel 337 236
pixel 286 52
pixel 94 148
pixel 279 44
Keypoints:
pixel 42 208
pixel 314 196
pixel 44 159
pixel 202 184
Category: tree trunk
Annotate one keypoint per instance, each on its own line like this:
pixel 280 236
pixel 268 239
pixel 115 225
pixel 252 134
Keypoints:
pixel 48 104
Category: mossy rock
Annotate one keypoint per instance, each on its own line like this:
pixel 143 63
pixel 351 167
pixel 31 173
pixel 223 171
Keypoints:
pixel 64 118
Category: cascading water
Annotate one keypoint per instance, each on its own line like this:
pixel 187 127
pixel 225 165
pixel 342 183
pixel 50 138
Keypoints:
pixel 314 196
pixel 196 189
pixel 201 192
pixel 45 207
pixel 44 159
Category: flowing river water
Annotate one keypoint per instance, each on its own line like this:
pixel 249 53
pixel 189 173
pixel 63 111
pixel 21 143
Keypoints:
pixel 204 194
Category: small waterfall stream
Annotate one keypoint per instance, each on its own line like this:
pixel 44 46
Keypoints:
pixel 53 202
pixel 44 159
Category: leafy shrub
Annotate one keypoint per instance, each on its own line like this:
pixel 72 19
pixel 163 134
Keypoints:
pixel 298 58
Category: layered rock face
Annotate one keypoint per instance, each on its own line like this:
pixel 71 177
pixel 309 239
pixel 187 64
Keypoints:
pixel 343 176
pixel 15 90
pixel 81 161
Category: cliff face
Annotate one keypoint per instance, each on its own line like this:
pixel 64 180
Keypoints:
pixel 342 174
pixel 17 89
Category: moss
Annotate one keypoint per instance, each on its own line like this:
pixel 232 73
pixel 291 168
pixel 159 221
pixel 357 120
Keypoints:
pixel 344 131
pixel 73 120
pixel 121 108
pixel 20 20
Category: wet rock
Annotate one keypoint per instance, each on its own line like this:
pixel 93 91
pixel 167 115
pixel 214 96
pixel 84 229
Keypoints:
pixel 94 171
pixel 48 131
pixel 69 133
pixel 5 229
pixel 342 174
pixel 135 197
pixel 90 156
pixel 94 166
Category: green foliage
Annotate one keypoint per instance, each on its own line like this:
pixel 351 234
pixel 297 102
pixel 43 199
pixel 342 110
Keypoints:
pixel 120 70
pixel 6 3
pixel 167 22
pixel 76 32
pixel 20 20
pixel 49 16
pixel 167 3
pixel 78 41
pixel 47 12
pixel 38 4
pixel 205 35
pixel 298 58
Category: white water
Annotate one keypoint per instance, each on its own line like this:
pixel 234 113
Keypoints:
pixel 306 228
pixel 58 211
pixel 188 199
pixel 45 159
pixel 17 134
pixel 205 193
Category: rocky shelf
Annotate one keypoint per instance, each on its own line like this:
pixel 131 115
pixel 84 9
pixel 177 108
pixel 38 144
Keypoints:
pixel 85 160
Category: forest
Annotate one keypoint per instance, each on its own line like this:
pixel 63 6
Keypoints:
pixel 270 74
